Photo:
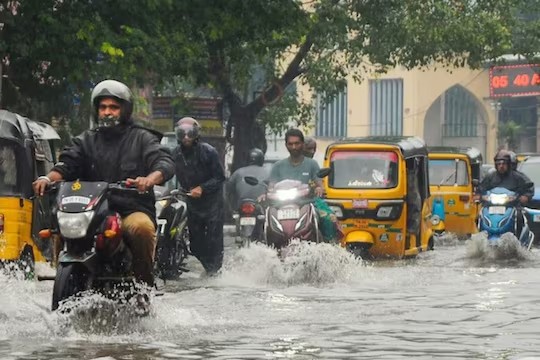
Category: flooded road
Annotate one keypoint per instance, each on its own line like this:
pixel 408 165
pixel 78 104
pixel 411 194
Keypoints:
pixel 457 302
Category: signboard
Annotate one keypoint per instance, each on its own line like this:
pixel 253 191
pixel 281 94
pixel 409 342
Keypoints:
pixel 514 80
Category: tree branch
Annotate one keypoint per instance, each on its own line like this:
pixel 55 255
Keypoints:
pixel 275 91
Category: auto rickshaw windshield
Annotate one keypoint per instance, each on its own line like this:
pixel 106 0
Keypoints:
pixel 8 170
pixel 448 172
pixel 363 169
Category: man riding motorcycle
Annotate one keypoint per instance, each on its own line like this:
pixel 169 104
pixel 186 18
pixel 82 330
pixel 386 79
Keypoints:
pixel 114 151
pixel 300 167
pixel 506 176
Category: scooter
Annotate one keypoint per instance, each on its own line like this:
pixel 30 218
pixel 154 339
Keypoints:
pixel 94 255
pixel 249 222
pixel 172 233
pixel 290 214
pixel 498 216
pixel 438 216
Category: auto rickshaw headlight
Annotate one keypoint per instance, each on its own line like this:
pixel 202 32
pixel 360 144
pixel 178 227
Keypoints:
pixel 435 220
pixel 337 210
pixel 74 225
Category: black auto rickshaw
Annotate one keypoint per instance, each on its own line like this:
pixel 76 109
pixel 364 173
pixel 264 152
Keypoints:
pixel 25 153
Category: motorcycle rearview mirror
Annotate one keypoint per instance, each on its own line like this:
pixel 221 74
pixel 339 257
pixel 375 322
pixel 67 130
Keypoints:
pixel 253 181
pixel 475 182
pixel 175 192
pixel 324 172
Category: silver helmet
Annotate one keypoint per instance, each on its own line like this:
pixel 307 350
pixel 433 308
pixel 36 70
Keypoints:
pixel 114 89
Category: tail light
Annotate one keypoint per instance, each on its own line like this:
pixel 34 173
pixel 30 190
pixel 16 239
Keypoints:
pixel 247 208
pixel 464 198
pixel 1 223
pixel 111 236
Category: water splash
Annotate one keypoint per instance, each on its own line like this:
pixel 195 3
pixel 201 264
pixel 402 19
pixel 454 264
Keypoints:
pixel 509 249
pixel 447 239
pixel 304 263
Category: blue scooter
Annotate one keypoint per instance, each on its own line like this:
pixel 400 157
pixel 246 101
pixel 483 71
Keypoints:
pixel 498 216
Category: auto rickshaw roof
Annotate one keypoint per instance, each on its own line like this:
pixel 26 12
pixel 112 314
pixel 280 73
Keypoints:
pixel 473 153
pixel 18 128
pixel 410 146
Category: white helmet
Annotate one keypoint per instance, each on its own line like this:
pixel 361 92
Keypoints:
pixel 117 90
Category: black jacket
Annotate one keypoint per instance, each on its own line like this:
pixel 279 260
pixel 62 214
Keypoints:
pixel 200 166
pixel 513 180
pixel 131 151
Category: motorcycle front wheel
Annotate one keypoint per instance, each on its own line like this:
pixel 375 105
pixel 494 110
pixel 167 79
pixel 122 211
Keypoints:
pixel 70 280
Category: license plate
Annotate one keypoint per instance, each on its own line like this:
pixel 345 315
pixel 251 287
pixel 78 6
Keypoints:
pixel 287 214
pixel 497 210
pixel 247 221
pixel 536 218
pixel 359 203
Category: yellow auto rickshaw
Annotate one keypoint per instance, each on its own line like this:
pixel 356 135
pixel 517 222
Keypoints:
pixel 378 188
pixel 25 154
pixel 454 173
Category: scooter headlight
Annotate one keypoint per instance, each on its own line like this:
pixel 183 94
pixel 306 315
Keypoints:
pixel 499 199
pixel 74 225
pixel 435 220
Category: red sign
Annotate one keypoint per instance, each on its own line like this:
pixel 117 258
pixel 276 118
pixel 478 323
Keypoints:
pixel 514 80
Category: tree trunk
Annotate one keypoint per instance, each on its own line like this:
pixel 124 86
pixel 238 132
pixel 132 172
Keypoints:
pixel 247 134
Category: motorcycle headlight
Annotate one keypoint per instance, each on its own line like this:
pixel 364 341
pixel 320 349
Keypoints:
pixel 435 220
pixel 498 199
pixel 288 194
pixel 74 225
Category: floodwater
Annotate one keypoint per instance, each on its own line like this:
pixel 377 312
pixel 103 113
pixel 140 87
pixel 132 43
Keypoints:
pixel 461 301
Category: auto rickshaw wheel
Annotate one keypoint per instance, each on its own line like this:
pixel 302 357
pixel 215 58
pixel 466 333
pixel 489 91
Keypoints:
pixel 70 280
pixel 27 263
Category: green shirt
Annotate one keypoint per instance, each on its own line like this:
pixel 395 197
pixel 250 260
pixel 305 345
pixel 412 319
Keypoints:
pixel 304 172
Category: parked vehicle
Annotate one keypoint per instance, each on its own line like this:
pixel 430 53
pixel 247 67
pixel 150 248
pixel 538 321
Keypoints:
pixel 379 189
pixel 454 174
pixel 499 216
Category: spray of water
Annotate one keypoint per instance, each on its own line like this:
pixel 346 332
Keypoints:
pixel 508 249
pixel 301 263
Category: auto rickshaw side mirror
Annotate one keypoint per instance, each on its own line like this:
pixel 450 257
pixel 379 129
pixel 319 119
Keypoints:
pixel 324 172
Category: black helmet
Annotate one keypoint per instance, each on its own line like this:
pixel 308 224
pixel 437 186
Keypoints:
pixel 187 126
pixel 117 90
pixel 256 157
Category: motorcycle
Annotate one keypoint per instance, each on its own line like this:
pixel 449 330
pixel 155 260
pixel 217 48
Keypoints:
pixel 499 216
pixel 291 214
pixel 95 255
pixel 172 233
pixel 249 222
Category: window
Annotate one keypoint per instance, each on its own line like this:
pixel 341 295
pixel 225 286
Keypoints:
pixel 8 170
pixel 332 116
pixel 363 169
pixel 448 172
pixel 460 113
pixel 386 107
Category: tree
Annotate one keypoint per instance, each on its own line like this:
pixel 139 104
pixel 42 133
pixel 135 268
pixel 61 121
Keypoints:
pixel 509 134
pixel 322 42
pixel 52 52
